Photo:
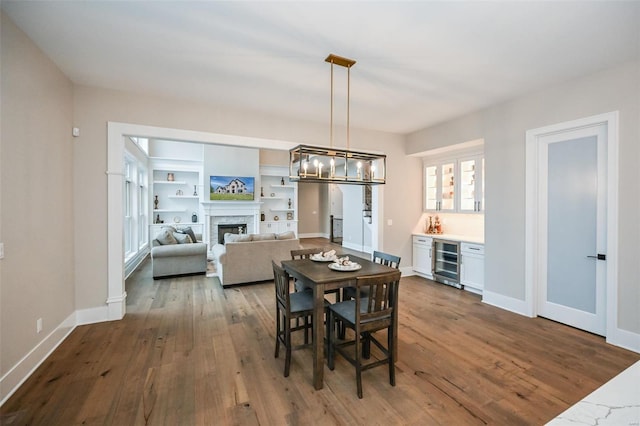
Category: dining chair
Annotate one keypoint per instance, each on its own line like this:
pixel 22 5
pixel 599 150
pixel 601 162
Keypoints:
pixel 366 315
pixel 306 254
pixel 378 257
pixel 289 306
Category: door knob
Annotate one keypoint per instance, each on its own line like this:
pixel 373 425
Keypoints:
pixel 599 256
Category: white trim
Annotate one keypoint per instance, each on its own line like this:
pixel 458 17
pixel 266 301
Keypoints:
pixel 624 339
pixel 532 220
pixel 505 302
pixel 116 132
pixel 92 315
pixel 357 247
pixel 314 235
pixel 25 367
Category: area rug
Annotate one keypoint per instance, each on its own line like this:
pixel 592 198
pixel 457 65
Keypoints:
pixel 211 269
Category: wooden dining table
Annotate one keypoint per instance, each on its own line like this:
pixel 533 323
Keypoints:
pixel 321 278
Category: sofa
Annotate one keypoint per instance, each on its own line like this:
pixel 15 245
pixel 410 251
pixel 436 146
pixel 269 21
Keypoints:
pixel 246 258
pixel 178 251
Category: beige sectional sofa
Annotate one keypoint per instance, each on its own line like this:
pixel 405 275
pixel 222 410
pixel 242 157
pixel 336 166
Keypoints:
pixel 247 258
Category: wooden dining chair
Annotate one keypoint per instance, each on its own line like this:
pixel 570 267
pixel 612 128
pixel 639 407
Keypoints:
pixel 378 257
pixel 290 306
pixel 365 316
pixel 306 254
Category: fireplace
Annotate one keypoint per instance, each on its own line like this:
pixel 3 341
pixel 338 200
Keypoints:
pixel 230 228
pixel 232 214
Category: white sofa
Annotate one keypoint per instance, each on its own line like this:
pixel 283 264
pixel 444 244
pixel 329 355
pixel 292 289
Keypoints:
pixel 247 258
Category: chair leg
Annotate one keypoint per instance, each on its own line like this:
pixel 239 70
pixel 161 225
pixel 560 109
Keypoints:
pixel 391 356
pixel 330 339
pixel 287 339
pixel 366 345
pixel 306 330
pixel 358 365
pixel 277 332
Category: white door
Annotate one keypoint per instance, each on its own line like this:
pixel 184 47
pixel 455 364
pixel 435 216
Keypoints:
pixel 572 207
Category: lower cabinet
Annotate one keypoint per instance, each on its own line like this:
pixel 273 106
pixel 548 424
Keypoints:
pixel 472 267
pixel 278 227
pixel 422 249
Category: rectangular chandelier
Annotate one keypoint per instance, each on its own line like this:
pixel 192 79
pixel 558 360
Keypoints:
pixel 334 165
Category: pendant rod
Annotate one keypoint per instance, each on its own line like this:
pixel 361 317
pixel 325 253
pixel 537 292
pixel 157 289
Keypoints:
pixel 331 121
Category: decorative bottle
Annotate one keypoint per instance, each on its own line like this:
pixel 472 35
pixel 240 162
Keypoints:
pixel 281 181
pixel 155 203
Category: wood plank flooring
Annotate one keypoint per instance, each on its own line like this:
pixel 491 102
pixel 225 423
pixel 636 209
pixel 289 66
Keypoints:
pixel 190 353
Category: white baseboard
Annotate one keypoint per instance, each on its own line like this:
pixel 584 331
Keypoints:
pixel 313 235
pixel 625 339
pixel 92 315
pixel 357 247
pixel 24 368
pixel 505 302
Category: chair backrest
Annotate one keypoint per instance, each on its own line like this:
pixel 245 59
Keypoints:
pixel 380 298
pixel 386 259
pixel 305 253
pixel 281 281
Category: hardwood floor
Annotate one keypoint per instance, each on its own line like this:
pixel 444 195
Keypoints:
pixel 190 353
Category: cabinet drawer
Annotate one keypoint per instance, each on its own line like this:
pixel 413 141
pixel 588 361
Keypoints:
pixel 472 248
pixel 422 241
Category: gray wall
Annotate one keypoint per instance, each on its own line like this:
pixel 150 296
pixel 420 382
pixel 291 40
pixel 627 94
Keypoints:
pixel 503 128
pixel 36 197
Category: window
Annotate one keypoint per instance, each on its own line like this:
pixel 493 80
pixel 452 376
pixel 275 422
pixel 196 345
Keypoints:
pixel 136 210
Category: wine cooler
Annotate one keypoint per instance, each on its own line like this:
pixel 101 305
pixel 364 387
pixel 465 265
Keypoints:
pixel 446 262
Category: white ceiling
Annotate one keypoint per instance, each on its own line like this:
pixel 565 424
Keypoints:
pixel 418 63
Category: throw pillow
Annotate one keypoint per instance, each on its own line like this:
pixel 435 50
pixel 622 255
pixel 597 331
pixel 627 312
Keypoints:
pixel 182 238
pixel 187 230
pixel 263 237
pixel 169 228
pixel 166 238
pixel 289 235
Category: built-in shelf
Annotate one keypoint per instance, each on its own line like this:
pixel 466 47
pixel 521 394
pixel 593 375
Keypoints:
pixel 170 182
pixel 169 210
pixel 183 196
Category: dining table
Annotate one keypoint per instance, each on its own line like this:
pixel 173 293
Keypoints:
pixel 318 275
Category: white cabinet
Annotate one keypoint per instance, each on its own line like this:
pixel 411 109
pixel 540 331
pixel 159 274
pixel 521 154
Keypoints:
pixel 278 227
pixel 440 187
pixel 471 184
pixel 422 250
pixel 279 199
pixel 454 185
pixel 472 267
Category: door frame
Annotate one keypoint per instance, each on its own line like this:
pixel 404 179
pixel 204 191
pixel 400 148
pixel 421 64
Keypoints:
pixel 533 231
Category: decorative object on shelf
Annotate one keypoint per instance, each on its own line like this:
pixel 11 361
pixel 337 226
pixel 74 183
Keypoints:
pixel 195 190
pixel 179 192
pixel 177 219
pixel 276 218
pixel 289 202
pixel 437 225
pixel 371 166
pixel 158 219
pixel 194 217
pixel 262 217
pixel 170 177
pixel 282 181
pixel 155 202
pixel 289 216
pixel 262 191
pixel 273 194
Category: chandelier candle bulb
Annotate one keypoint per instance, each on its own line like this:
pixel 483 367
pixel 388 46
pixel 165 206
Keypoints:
pixel 332 163
pixel 319 170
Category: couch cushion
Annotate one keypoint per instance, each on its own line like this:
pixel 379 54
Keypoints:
pixel 166 237
pixel 169 228
pixel 182 238
pixel 289 235
pixel 236 238
pixel 263 237
pixel 187 230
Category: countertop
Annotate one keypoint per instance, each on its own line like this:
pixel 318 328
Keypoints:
pixel 453 237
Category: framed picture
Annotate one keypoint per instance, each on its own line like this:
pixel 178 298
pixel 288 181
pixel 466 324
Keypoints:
pixel 231 188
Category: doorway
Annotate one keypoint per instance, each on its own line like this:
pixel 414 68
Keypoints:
pixel 571 199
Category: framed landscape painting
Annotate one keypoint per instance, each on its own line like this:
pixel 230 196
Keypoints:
pixel 231 188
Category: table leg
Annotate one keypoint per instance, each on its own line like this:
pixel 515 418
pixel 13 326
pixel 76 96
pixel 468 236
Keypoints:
pixel 318 336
